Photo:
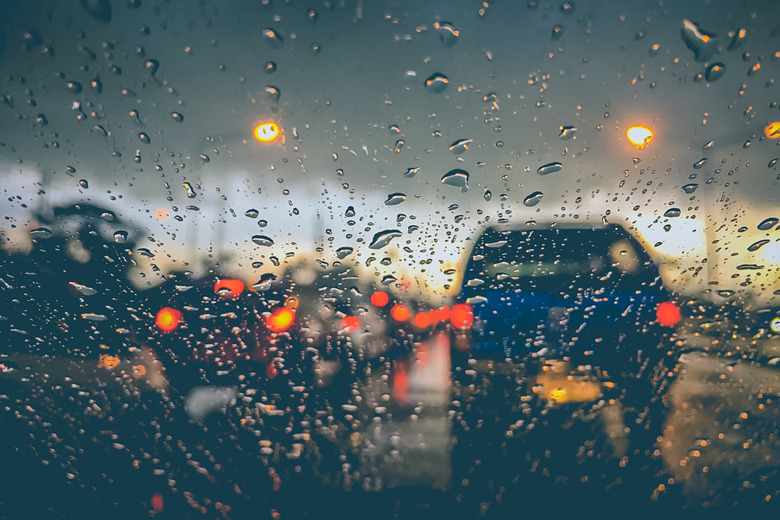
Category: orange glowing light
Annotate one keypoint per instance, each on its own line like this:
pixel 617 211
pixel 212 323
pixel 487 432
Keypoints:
pixel 461 316
pixel 639 136
pixel 350 323
pixel 280 320
pixel 772 130
pixel 668 314
pixel 168 319
pixel 229 287
pixel 380 299
pixel 108 361
pixel 267 132
pixel 422 320
pixel 400 312
pixel 139 371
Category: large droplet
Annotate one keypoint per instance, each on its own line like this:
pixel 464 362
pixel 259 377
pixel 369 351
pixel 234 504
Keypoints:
pixel 144 137
pixel 83 289
pixel 395 198
pixel 702 43
pixel 460 146
pixel 437 83
pixel 273 38
pixel 672 213
pixel 715 71
pixel 177 117
pixel 457 177
pixel 448 34
pixel 382 238
pixel 262 240
pixel 567 132
pixel 488 194
pixel 350 212
pixel 533 199
pixel 190 190
pixel 757 245
pixel 40 232
pixel 344 252
pixel 698 165
pixel 265 281
pixel 411 172
pixel 690 188
pixel 251 213
pixel 740 36
pixel 767 223
pixel 273 94
pixel 120 237
pixel 549 168
pixel 84 183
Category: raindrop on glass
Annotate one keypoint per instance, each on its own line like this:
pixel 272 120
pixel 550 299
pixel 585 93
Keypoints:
pixel 448 34
pixel 567 132
pixel 672 213
pixel 190 190
pixel 120 237
pixel 457 177
pixel 262 240
pixel 715 71
pixel 698 165
pixel 437 83
pixel 273 38
pixel 549 168
pixel 690 188
pixel 460 146
pixel 533 199
pixel 344 252
pixel 382 238
pixel 411 172
pixel 768 223
pixel 251 213
pixel 395 198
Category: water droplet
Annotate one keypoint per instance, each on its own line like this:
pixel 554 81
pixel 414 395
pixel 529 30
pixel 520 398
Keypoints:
pixel 533 199
pixel 488 194
pixel 672 213
pixel 567 132
pixel 344 252
pixel 549 168
pixel 190 190
pixel 91 316
pixel 740 36
pixel 698 165
pixel 772 163
pixel 269 67
pixel 350 212
pixel 152 66
pixel 702 43
pixel 40 232
pixel 272 93
pixel 312 16
pixel 251 213
pixel 144 137
pixel 690 188
pixel 768 223
pixel 265 281
pixel 715 71
pixel 725 293
pixel 457 177
pixel 398 145
pixel 460 146
pixel 437 83
pixel 262 240
pixel 411 172
pixel 84 184
pixel 382 238
pixel 273 38
pixel 177 117
pixel 757 245
pixel 448 34
pixel 120 237
pixel 83 289
pixel 74 87
pixel 749 267
pixel 557 32
pixel 96 85
pixel 108 216
pixel 262 223
pixel 395 198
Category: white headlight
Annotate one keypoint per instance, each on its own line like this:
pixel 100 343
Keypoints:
pixel 775 324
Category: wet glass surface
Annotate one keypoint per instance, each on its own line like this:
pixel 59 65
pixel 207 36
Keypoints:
pixel 391 259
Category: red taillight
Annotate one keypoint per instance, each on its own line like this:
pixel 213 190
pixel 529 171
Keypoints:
pixel 168 319
pixel 350 323
pixel 461 316
pixel 280 320
pixel 667 314
pixel 400 312
pixel 229 287
pixel 422 320
pixel 380 299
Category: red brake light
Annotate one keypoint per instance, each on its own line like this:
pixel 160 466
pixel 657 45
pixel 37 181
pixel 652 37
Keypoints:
pixel 667 314
pixel 400 312
pixel 350 323
pixel 461 316
pixel 380 299
pixel 229 287
pixel 422 320
pixel 168 319
pixel 280 320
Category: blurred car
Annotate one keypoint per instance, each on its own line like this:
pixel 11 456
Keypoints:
pixel 586 294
